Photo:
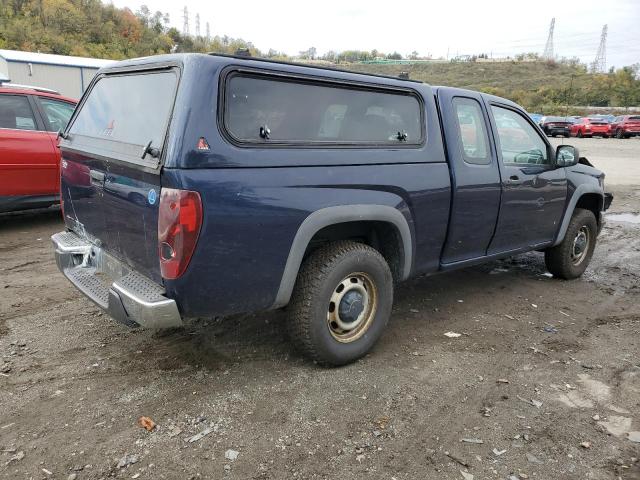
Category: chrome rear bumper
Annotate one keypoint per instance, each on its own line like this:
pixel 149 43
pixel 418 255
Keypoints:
pixel 128 296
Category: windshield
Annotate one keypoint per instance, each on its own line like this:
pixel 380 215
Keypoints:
pixel 132 108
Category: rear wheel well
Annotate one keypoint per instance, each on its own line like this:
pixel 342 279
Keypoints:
pixel 383 236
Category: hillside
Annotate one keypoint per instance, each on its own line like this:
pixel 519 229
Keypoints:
pixel 505 75
pixel 535 85
pixel 90 28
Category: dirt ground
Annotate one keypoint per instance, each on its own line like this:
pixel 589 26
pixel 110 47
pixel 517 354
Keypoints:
pixel 543 383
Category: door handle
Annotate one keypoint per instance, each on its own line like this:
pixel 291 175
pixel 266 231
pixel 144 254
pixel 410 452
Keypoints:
pixel 97 178
pixel 513 180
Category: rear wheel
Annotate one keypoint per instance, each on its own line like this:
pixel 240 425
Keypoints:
pixel 619 134
pixel 570 258
pixel 341 303
pixel 566 135
pixel 579 134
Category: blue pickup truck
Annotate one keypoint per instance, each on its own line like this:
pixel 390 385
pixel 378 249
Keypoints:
pixel 220 184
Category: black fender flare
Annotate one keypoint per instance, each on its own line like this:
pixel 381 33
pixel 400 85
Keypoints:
pixel 325 217
pixel 568 213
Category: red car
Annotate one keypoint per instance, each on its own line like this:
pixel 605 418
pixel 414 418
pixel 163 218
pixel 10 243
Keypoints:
pixel 590 127
pixel 626 126
pixel 30 118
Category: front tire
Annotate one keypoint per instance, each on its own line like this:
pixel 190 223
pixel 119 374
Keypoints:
pixel 579 134
pixel 341 303
pixel 570 258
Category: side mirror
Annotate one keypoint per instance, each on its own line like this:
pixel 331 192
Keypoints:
pixel 567 156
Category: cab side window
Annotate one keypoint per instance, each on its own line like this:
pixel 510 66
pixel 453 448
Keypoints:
pixel 519 142
pixel 16 113
pixel 473 134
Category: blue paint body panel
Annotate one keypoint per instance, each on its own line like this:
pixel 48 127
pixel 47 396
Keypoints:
pixel 256 198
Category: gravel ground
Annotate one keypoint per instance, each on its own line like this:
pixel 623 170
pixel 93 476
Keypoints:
pixel 544 381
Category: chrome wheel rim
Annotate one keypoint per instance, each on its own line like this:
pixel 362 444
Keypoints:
pixel 352 307
pixel 580 245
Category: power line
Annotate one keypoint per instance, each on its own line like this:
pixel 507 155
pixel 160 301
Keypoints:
pixel 548 49
pixel 599 65
pixel 185 26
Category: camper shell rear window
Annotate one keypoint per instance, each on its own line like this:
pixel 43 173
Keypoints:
pixel 272 110
pixel 126 112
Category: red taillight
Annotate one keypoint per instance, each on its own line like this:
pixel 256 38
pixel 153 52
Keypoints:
pixel 179 221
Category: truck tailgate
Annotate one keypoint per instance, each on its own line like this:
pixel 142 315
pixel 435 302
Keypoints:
pixel 110 169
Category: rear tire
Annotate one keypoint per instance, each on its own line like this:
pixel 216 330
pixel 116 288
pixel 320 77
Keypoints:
pixel 619 134
pixel 570 258
pixel 579 134
pixel 341 303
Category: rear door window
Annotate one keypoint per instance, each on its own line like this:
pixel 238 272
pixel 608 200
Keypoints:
pixel 268 110
pixel 131 109
pixel 16 113
pixel 473 134
pixel 57 113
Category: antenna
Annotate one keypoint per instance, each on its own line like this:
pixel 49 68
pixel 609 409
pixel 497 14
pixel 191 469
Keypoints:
pixel 548 48
pixel 185 26
pixel 197 24
pixel 208 32
pixel 599 65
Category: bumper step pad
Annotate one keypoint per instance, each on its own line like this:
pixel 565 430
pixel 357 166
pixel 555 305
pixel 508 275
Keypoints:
pixel 128 296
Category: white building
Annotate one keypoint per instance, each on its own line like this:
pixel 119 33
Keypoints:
pixel 68 75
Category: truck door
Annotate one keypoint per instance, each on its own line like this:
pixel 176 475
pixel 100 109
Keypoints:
pixel 28 158
pixel 534 192
pixel 475 177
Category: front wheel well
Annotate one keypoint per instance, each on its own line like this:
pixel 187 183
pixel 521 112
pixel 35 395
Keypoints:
pixel 380 235
pixel 592 202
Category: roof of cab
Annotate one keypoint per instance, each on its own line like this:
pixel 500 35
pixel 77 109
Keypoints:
pixel 487 96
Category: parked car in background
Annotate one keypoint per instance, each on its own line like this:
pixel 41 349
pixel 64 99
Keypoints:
pixel 591 127
pixel 273 184
pixel 607 117
pixel 30 119
pixel 536 117
pixel 553 126
pixel 626 126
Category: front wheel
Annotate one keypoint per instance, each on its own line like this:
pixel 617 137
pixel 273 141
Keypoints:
pixel 619 134
pixel 579 134
pixel 341 303
pixel 570 258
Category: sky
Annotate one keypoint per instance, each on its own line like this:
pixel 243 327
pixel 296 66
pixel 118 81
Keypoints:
pixel 437 28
